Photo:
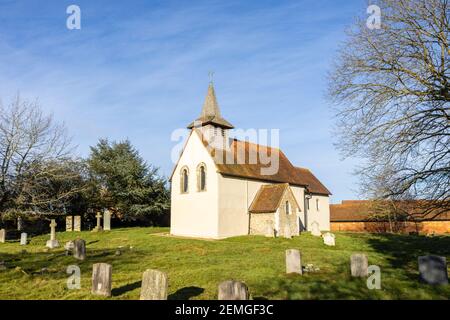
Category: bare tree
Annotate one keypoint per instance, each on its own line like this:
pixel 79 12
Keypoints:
pixel 31 145
pixel 392 92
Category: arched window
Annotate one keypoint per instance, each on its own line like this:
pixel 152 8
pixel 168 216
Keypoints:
pixel 288 208
pixel 184 181
pixel 201 177
pixel 317 204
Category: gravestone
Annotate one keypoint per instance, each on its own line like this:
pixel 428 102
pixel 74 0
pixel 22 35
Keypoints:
pixel 155 285
pixel 19 223
pixel 359 265
pixel 52 243
pixel 69 246
pixel 433 270
pixel 23 239
pixel 107 220
pixel 233 290
pixel 101 279
pixel 69 223
pixel 77 223
pixel 2 236
pixel 293 261
pixel 270 232
pixel 98 227
pixel 79 249
pixel 287 231
pixel 315 231
pixel 329 239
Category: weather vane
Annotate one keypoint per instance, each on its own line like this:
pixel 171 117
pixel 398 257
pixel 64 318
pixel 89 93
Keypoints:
pixel 211 76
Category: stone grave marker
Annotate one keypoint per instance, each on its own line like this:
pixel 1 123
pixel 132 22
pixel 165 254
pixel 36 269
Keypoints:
pixel 2 235
pixel 233 290
pixel 155 285
pixel 315 231
pixel 69 223
pixel 101 279
pixel 23 239
pixel 270 232
pixel 19 223
pixel 329 239
pixel 359 265
pixel 79 249
pixel 98 226
pixel 77 223
pixel 433 270
pixel 293 261
pixel 52 243
pixel 107 220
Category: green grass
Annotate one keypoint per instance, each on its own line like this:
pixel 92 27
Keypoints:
pixel 196 267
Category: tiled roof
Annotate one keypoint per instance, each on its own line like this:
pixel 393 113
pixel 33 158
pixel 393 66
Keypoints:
pixel 362 210
pixel 286 173
pixel 268 198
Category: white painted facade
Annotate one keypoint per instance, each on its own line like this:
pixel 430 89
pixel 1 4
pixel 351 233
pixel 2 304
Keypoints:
pixel 222 210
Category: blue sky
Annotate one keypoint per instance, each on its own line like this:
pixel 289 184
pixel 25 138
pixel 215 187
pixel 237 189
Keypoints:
pixel 139 70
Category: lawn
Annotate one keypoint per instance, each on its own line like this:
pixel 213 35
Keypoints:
pixel 196 267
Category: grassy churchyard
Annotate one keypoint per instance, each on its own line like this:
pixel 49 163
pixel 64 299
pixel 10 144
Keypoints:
pixel 196 267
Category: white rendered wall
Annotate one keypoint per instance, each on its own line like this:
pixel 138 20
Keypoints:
pixel 195 214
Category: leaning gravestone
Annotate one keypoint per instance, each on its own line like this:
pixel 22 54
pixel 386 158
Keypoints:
pixel 101 279
pixel 107 220
pixel 23 239
pixel 287 232
pixel 359 265
pixel 77 223
pixel 233 290
pixel 52 243
pixel 2 236
pixel 315 231
pixel 293 261
pixel 155 285
pixel 433 270
pixel 79 249
pixel 329 239
pixel 69 223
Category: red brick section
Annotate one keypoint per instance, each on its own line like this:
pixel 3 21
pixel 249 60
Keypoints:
pixel 354 216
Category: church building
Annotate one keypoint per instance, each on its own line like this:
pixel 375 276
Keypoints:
pixel 220 189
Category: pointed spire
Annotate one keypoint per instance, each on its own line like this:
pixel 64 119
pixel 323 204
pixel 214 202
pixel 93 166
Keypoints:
pixel 210 107
pixel 211 112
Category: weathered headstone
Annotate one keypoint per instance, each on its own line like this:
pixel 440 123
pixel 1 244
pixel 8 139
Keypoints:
pixel 101 279
pixel 23 239
pixel 359 265
pixel 19 223
pixel 155 285
pixel 270 232
pixel 69 223
pixel 293 261
pixel 79 249
pixel 287 231
pixel 107 220
pixel 329 239
pixel 52 243
pixel 315 230
pixel 77 223
pixel 98 227
pixel 69 246
pixel 233 290
pixel 2 235
pixel 433 270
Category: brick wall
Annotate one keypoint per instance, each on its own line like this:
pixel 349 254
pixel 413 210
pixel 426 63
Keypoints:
pixel 438 227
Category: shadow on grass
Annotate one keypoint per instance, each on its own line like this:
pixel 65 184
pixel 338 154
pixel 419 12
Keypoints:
pixel 124 289
pixel 402 251
pixel 186 293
